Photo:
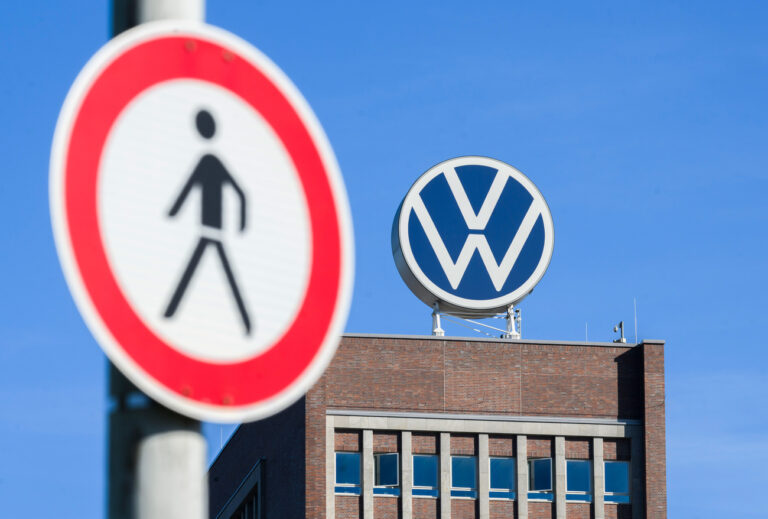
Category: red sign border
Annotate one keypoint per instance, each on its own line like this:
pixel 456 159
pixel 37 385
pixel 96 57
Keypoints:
pixel 249 387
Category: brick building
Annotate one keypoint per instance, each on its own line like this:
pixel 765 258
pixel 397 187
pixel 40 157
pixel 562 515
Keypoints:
pixel 438 427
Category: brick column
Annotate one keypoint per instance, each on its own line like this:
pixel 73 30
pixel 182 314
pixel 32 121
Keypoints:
pixel 406 485
pixel 522 476
pixel 484 476
pixel 559 466
pixel 655 446
pixel 367 474
pixel 445 476
pixel 598 478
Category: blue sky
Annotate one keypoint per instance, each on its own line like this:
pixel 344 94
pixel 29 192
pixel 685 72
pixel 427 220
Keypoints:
pixel 642 123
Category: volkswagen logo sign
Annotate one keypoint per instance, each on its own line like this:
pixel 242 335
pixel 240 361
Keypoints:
pixel 473 234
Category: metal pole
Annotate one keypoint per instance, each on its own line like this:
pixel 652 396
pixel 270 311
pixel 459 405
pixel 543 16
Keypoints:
pixel 436 328
pixel 156 457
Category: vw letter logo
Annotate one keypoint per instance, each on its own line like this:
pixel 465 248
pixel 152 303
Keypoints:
pixel 473 234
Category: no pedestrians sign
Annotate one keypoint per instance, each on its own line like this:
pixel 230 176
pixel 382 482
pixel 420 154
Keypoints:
pixel 201 221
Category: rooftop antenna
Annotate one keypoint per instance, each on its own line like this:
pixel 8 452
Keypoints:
pixel 618 327
pixel 634 300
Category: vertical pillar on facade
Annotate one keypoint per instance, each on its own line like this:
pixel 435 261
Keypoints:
pixel 367 474
pixel 636 474
pixel 521 452
pixel 484 475
pixel 598 478
pixel 330 468
pixel 406 464
pixel 559 477
pixel 654 456
pixel 445 476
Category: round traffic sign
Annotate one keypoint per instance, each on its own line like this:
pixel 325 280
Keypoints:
pixel 201 221
pixel 473 234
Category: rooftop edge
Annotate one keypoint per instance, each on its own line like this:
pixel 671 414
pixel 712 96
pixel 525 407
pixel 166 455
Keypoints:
pixel 513 341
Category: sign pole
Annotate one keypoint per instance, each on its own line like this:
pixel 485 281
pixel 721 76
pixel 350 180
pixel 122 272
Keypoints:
pixel 156 456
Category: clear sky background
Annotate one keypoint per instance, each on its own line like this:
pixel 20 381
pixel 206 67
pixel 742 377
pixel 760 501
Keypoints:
pixel 643 124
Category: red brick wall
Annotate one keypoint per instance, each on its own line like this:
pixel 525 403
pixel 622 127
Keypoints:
pixel 578 510
pixel 502 510
pixel 463 509
pixel 539 510
pixel 655 447
pixel 577 381
pixel 578 449
pixel 424 443
pixel 616 449
pixel 314 448
pixel 426 508
pixel 464 376
pixel 472 385
pixel 385 442
pixel 463 445
pixel 347 441
pixel 539 447
pixel 618 511
pixel 386 507
pixel 347 507
pixel 501 445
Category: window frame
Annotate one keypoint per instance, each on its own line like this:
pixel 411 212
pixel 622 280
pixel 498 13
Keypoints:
pixel 346 489
pixel 579 496
pixel 422 491
pixel 617 498
pixel 540 495
pixel 386 490
pixel 511 493
pixel 464 492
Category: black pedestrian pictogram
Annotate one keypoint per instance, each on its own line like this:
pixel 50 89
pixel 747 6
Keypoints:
pixel 211 175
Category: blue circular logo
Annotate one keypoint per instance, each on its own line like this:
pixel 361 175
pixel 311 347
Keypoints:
pixel 473 234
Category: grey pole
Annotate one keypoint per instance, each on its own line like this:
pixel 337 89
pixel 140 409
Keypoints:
pixel 128 13
pixel 156 457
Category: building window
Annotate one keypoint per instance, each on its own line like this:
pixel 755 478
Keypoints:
pixel 502 478
pixel 464 476
pixel 578 480
pixel 425 475
pixel 348 473
pixel 617 482
pixel 540 479
pixel 386 481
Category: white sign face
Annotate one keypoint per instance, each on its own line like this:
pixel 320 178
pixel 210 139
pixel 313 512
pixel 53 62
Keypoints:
pixel 150 155
pixel 201 221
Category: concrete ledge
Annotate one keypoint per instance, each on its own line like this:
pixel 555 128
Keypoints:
pixel 483 417
pixel 449 426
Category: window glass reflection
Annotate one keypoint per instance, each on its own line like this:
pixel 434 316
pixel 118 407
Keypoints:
pixel 502 478
pixel 464 476
pixel 348 473
pixel 425 475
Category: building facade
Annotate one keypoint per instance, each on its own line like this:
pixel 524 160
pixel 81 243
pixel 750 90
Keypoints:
pixel 446 428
